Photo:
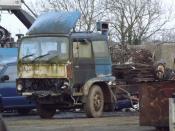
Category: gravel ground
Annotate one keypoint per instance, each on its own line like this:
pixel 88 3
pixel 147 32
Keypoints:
pixel 68 121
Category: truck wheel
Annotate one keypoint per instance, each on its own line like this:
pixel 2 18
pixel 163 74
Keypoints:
pixel 23 111
pixel 95 102
pixel 46 112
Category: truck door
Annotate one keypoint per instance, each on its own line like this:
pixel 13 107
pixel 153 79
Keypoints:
pixel 83 62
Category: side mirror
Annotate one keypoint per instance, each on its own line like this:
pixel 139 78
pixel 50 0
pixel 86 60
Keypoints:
pixel 4 78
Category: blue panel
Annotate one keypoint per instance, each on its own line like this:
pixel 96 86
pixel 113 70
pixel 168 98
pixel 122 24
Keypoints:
pixel 8 55
pixel 103 69
pixel 8 89
pixel 17 102
pixel 55 23
pixel 103 66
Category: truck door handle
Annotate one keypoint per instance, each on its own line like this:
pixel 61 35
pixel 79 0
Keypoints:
pixel 77 67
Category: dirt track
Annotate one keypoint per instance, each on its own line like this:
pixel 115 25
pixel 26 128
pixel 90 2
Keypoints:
pixel 76 122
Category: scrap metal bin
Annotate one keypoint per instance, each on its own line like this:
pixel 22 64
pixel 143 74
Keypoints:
pixel 172 113
pixel 154 103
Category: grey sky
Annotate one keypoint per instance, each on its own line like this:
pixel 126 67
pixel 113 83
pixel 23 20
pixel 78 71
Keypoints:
pixel 11 23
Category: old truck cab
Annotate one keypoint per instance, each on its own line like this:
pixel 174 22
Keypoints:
pixel 64 69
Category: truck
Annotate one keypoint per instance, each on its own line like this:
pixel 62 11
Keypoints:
pixel 63 69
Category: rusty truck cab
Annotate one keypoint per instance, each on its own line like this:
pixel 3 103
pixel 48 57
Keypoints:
pixel 58 66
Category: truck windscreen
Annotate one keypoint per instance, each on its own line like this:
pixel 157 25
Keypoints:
pixel 44 49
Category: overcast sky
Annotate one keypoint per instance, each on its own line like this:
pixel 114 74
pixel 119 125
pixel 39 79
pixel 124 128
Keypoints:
pixel 11 23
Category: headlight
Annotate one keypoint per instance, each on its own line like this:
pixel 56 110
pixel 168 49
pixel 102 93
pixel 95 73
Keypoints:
pixel 19 87
pixel 110 83
pixel 65 85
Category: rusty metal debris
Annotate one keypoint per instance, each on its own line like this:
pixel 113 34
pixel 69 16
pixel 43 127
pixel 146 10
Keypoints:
pixel 132 73
pixel 128 56
pixel 133 65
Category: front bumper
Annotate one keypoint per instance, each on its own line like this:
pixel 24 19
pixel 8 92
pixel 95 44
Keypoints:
pixel 40 94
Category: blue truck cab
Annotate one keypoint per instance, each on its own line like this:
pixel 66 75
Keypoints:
pixel 9 98
pixel 64 69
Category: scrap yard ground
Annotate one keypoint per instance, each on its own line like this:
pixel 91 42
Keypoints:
pixel 76 122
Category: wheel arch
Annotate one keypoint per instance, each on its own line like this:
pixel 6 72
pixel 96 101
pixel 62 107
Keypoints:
pixel 106 92
pixel 103 83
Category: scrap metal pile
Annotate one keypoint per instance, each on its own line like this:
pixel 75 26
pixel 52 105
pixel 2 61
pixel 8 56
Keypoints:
pixel 128 56
pixel 133 65
pixel 136 68
pixel 132 73
pixel 5 38
pixel 130 67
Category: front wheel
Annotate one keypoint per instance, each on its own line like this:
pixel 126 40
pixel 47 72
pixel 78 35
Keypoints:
pixel 95 102
pixel 45 111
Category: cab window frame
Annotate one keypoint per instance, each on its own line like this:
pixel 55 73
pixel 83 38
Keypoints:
pixel 104 53
pixel 78 42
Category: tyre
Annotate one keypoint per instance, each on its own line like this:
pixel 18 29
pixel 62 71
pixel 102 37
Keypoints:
pixel 46 112
pixel 23 111
pixel 95 102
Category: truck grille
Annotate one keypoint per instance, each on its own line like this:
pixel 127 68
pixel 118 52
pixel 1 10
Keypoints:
pixel 43 84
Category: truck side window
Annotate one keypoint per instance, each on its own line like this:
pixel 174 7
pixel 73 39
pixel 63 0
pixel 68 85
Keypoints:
pixel 82 50
pixel 100 49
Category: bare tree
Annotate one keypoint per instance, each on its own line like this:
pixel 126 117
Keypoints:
pixel 135 20
pixel 166 35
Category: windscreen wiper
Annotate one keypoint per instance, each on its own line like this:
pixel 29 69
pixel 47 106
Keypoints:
pixel 40 57
pixel 27 56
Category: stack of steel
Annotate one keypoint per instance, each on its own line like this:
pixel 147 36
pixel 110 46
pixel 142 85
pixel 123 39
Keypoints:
pixel 135 65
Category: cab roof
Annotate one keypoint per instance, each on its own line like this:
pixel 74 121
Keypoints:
pixel 54 23
pixel 88 35
pixel 61 23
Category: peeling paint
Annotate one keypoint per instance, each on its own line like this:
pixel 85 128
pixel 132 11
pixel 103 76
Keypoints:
pixel 42 71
